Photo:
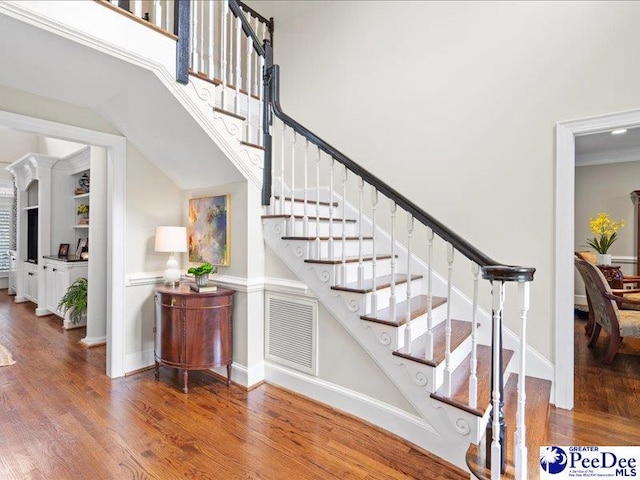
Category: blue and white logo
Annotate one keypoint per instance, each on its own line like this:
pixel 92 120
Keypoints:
pixel 553 459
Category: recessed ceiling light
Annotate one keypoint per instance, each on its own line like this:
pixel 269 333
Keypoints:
pixel 619 131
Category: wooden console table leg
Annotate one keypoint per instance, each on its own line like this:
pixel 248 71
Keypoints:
pixel 185 379
pixel 228 374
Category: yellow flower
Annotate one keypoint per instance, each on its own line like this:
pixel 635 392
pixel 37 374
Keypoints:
pixel 606 229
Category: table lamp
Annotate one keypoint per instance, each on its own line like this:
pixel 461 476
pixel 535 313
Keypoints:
pixel 172 240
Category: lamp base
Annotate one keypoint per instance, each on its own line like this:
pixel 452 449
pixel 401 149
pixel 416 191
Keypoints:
pixel 172 274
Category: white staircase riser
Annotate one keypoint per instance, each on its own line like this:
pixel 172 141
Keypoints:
pixel 419 325
pixel 322 229
pixel 312 209
pixel 361 303
pixel 351 248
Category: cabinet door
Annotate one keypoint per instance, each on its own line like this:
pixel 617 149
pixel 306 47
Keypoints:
pixel 33 286
pixel 51 293
pixel 26 283
pixel 169 329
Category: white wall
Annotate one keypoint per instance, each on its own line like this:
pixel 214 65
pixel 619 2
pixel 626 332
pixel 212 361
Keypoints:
pixel 454 104
pixel 14 145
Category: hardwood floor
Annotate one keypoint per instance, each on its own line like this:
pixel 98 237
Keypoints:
pixel 606 396
pixel 62 418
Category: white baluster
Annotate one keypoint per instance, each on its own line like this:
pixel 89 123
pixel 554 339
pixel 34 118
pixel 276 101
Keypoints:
pixel 374 288
pixel 195 55
pixel 447 329
pixel 496 451
pixel 292 218
pixel 200 36
pixel 166 21
pixel 473 379
pixel 318 245
pixel 137 8
pixel 305 220
pixel 407 330
pixel 258 70
pixel 157 13
pixel 272 199
pixel 342 274
pixel 260 94
pixel 282 209
pixel 360 235
pixel 211 41
pixel 428 347
pixel 223 53
pixel 238 64
pixel 331 245
pixel 392 287
pixel 521 433
pixel 249 84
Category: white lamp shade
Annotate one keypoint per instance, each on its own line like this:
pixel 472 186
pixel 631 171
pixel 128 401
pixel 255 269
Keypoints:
pixel 171 239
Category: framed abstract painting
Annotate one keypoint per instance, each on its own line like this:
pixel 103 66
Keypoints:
pixel 208 230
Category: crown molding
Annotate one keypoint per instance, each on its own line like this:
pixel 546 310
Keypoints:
pixel 612 156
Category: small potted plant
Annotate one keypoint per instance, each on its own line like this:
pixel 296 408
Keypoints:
pixel 83 212
pixel 201 273
pixel 73 304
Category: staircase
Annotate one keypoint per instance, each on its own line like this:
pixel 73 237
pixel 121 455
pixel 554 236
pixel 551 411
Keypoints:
pixel 425 304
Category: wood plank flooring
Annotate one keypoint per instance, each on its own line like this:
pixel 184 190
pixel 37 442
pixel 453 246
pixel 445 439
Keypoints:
pixel 606 410
pixel 62 418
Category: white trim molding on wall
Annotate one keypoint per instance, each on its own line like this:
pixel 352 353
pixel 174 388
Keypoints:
pixel 565 239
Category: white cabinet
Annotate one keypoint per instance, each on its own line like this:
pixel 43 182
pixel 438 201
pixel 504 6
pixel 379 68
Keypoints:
pixel 59 275
pixel 30 282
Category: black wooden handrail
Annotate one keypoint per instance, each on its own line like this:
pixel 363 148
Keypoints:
pixel 252 12
pixel 246 27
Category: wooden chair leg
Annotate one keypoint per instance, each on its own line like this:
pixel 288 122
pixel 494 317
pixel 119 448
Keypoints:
pixel 594 335
pixel 614 345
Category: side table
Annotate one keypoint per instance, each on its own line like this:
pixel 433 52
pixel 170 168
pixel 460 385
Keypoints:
pixel 193 331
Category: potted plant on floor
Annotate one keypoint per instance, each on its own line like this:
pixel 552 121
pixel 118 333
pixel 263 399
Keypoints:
pixel 73 304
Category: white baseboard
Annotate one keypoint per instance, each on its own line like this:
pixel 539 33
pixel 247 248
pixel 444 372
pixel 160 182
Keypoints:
pixel 138 360
pixel 42 312
pixel 395 420
pixel 580 300
pixel 93 341
pixel 241 375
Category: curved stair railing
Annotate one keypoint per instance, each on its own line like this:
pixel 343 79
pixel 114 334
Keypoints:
pixel 230 45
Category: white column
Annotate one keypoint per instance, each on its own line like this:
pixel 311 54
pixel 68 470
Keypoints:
pixel 496 452
pixel 374 289
pixel 407 331
pixel 447 329
pixel 521 431
pixel 428 348
pixel 473 379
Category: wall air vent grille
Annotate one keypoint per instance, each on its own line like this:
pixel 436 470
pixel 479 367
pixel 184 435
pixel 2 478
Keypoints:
pixel 291 331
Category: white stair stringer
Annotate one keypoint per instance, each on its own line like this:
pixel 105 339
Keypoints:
pixel 448 431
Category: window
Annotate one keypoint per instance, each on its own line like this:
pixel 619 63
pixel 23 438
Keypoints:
pixel 6 206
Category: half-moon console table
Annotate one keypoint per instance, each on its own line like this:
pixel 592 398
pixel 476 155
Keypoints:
pixel 193 331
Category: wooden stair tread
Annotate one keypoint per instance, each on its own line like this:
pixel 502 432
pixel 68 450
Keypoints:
pixel 418 307
pixel 326 238
pixel 538 392
pixel 300 217
pixel 348 259
pixel 301 200
pixel 460 330
pixel 231 114
pixel 205 77
pixel 381 282
pixel 460 381
pixel 252 145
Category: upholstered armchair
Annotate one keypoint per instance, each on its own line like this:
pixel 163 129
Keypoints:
pixel 603 307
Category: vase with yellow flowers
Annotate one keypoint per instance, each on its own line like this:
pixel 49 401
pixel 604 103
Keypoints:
pixel 606 231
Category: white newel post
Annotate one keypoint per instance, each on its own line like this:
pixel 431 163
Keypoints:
pixel 496 449
pixel 521 432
